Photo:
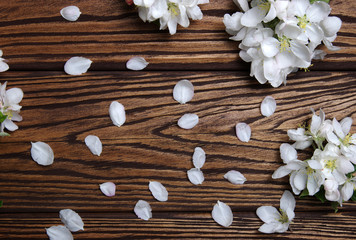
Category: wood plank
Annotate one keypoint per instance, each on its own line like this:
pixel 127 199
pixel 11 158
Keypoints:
pixel 185 225
pixel 35 37
pixel 62 110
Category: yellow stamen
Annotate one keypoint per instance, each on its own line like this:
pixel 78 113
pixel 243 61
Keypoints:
pixel 303 22
pixel 284 41
pixel 331 164
pixel 284 217
pixel 173 8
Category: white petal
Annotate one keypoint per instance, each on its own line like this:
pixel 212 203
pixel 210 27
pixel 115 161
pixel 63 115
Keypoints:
pixel 195 13
pixel 158 191
pixel 313 185
pixel 143 210
pixel 314 33
pixel 318 11
pixel 235 177
pixel 270 47
pixel 281 172
pixel 287 201
pixel 198 157
pixel 243 132
pixel 183 91
pixel 94 144
pixel 71 13
pixel 243 4
pixel 300 50
pixel 288 153
pixel 291 182
pixel 253 17
pixel 268 106
pixel 268 214
pixel 344 165
pixel 314 164
pixel 117 113
pixel 300 181
pixel 10 125
pixel 222 214
pixel 338 129
pixel 195 176
pixel 332 138
pixel 136 63
pixel 71 219
pixel 59 233
pixel 42 153
pixel 77 65
pixel 3 66
pixel 346 124
pixel 347 191
pixel 14 95
pixel 270 15
pixel 108 189
pixel 330 26
pixel 188 121
pixel 269 227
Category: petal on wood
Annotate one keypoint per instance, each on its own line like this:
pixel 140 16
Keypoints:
pixel 42 153
pixel 136 63
pixel 94 144
pixel 158 191
pixel 143 210
pixel 222 214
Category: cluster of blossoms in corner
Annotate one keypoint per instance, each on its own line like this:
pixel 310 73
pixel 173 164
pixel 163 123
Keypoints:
pixel 330 173
pixel 280 36
pixel 169 13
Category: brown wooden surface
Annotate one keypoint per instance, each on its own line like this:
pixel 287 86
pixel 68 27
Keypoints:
pixel 62 110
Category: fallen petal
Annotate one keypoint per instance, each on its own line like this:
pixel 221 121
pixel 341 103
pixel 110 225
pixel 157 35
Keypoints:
pixel 183 91
pixel 94 144
pixel 143 210
pixel 188 121
pixel 117 113
pixel 71 219
pixel 70 13
pixel 222 214
pixel 235 177
pixel 108 189
pixel 59 233
pixel 42 153
pixel 77 65
pixel 198 157
pixel 268 106
pixel 158 191
pixel 195 176
pixel 243 132
pixel 136 63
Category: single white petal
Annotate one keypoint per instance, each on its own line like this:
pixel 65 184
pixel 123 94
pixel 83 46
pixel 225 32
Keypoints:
pixel 94 144
pixel 117 113
pixel 338 129
pixel 269 227
pixel 253 16
pixel 268 214
pixel 270 15
pixel 10 125
pixel 3 66
pixel 42 153
pixel 332 196
pixel 222 214
pixel 332 138
pixel 143 210
pixel 243 132
pixel 198 157
pixel 291 182
pixel 59 233
pixel 158 191
pixel 344 165
pixel 346 124
pixel 195 176
pixel 183 91
pixel 330 26
pixel 281 172
pixel 235 177
pixel 108 189
pixel 16 117
pixel 232 23
pixel 14 95
pixel 288 153
pixel 313 184
pixel 71 220
pixel 347 191
pixel 77 65
pixel 300 180
pixel 188 121
pixel 300 50
pixel 314 164
pixel 287 201
pixel 136 63
pixel 70 13
pixel 270 47
pixel 243 4
pixel 318 11
pixel 268 106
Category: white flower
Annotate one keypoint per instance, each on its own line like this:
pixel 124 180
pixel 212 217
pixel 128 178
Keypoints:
pixel 268 106
pixel 143 210
pixel 136 63
pixel 71 220
pixel 183 91
pixel 331 190
pixel 235 177
pixel 108 189
pixel 198 157
pixel 42 153
pixel 117 113
pixel 70 13
pixel 195 176
pixel 275 221
pixel 188 121
pixel 94 144
pixel 243 132
pixel 302 141
pixel 222 214
pixel 3 65
pixel 158 191
pixel 59 233
pixel 77 65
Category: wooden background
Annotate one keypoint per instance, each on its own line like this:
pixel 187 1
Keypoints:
pixel 62 110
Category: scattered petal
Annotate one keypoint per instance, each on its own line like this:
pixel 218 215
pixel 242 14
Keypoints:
pixel 59 233
pixel 158 191
pixel 235 177
pixel 71 13
pixel 222 214
pixel 188 121
pixel 117 113
pixel 195 176
pixel 42 153
pixel 108 189
pixel 243 132
pixel 143 210
pixel 183 91
pixel 198 157
pixel 94 144
pixel 71 219
pixel 136 63
pixel 77 65
pixel 268 106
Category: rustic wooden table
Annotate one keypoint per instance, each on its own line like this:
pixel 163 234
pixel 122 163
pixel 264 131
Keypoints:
pixel 62 110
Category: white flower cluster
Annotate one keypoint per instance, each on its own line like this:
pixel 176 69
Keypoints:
pixel 330 173
pixel 170 13
pixel 280 36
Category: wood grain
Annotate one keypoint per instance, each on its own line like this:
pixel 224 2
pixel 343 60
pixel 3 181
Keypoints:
pixel 35 37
